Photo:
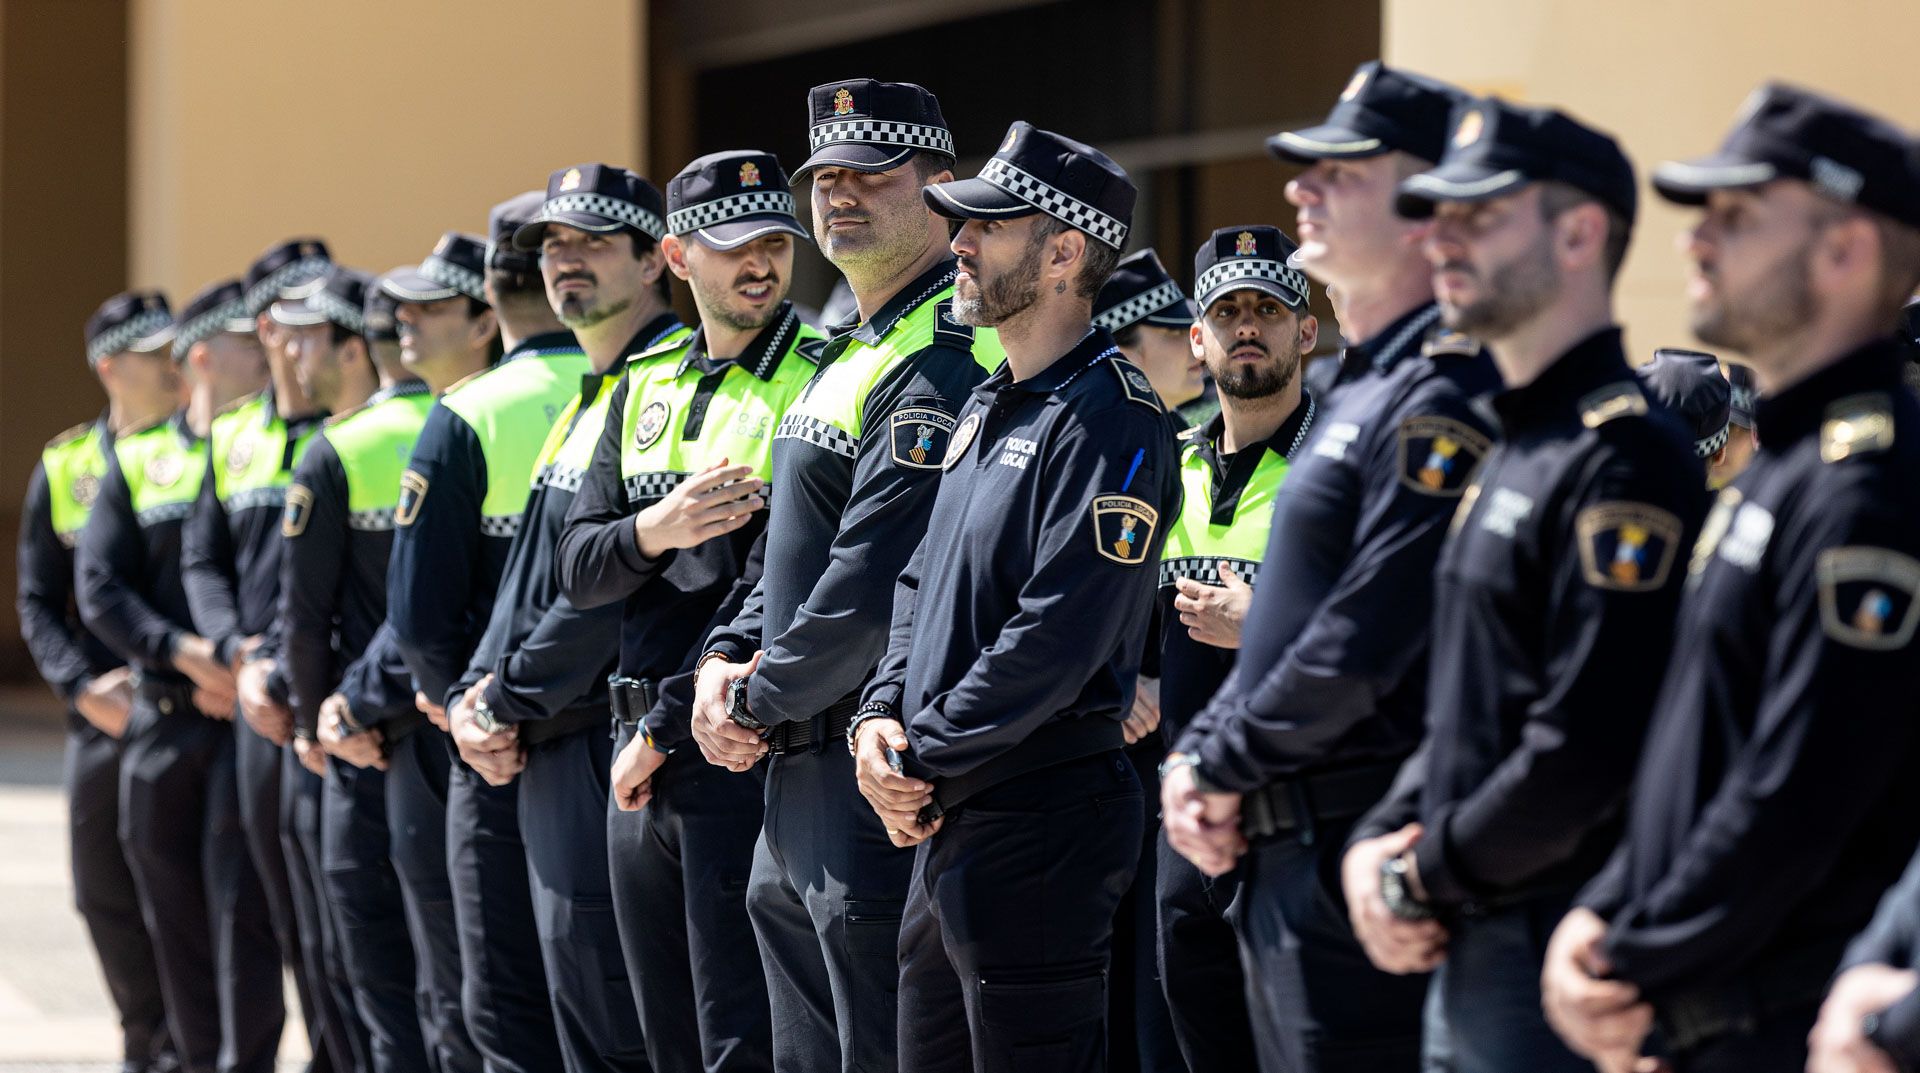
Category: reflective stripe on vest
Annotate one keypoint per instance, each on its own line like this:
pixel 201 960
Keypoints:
pixel 73 467
pixel 373 444
pixel 1196 546
pixel 251 465
pixel 163 472
pixel 511 408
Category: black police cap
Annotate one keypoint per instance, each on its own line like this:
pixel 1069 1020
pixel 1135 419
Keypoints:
pixel 341 298
pixel 729 199
pixel 1789 133
pixel 1381 110
pixel 1142 291
pixel 217 307
pixel 1689 383
pixel 601 198
pixel 456 266
pixel 131 320
pixel 872 126
pixel 377 312
pixel 1040 171
pixel 1249 257
pixel 503 221
pixel 1742 395
pixel 1497 148
pixel 288 264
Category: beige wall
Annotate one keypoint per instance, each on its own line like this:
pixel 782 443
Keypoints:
pixel 1665 77
pixel 377 124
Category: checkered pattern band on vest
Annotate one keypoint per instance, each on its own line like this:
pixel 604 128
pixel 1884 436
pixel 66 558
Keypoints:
pixel 625 212
pixel 646 487
pixel 1137 308
pixel 255 499
pixel 1252 268
pixel 207 325
pixel 261 295
pixel 165 512
pixel 371 521
pixel 340 311
pixel 816 432
pixel 1205 569
pixel 564 478
pixel 448 274
pixel 114 340
pixel 881 132
pixel 1053 202
pixel 500 525
pixel 709 213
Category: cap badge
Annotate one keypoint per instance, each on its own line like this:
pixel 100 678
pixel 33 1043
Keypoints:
pixel 571 180
pixel 842 103
pixel 1007 146
pixel 1472 125
pixel 749 174
pixel 1354 86
pixel 1244 246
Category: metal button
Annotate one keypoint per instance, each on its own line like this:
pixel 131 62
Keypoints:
pixel 166 705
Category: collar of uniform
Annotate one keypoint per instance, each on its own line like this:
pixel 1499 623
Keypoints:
pixel 761 355
pixel 534 344
pixel 298 426
pixel 1786 416
pixel 911 297
pixel 1284 441
pixel 652 332
pixel 398 391
pixel 1396 341
pixel 177 421
pixel 1555 394
pixel 1091 348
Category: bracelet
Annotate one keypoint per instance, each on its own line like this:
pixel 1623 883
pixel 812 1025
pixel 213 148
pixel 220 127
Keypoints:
pixel 706 659
pixel 868 712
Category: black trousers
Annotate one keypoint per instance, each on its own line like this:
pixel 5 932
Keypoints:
pixel 345 1033
pixel 1317 1004
pixel 1200 965
pixel 103 890
pixel 213 943
pixel 504 983
pixel 1009 925
pixel 370 919
pixel 563 823
pixel 825 897
pixel 416 786
pixel 1777 1044
pixel 1483 1004
pixel 680 872
pixel 257 770
pixel 1140 1036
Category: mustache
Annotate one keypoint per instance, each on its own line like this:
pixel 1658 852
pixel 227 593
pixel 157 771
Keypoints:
pixel 582 275
pixel 846 214
pixel 745 279
pixel 1254 343
pixel 1461 267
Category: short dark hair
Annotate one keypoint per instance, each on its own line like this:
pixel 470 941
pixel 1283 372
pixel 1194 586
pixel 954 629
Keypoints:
pixel 1095 266
pixel 1557 198
pixel 928 163
pixel 644 244
pixel 1128 335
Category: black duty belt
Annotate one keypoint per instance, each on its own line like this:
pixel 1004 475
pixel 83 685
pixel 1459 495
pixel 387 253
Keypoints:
pixel 168 696
pixel 397 728
pixel 571 721
pixel 1054 743
pixel 1783 983
pixel 803 735
pixel 1298 805
pixel 631 699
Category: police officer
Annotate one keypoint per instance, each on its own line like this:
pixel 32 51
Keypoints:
pixel 857 458
pixel 222 357
pixel 1743 438
pixel 1017 633
pixel 533 696
pixel 1149 316
pixel 179 817
pixel 1690 383
pixel 96 685
pixel 1554 596
pixel 668 525
pixel 461 497
pixel 230 565
pixel 337 527
pixel 1867 1023
pixel 1776 801
pixel 1325 695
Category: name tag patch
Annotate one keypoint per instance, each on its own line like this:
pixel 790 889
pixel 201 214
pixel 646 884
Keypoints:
pixel 1506 509
pixel 1018 452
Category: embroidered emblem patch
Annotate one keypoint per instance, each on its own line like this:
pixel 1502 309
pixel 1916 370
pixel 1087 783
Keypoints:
pixel 1627 547
pixel 1123 528
pixel 85 489
pixel 921 436
pixel 651 423
pixel 961 440
pixel 842 103
pixel 164 469
pixel 749 175
pixel 240 456
pixel 1243 245
pixel 1135 385
pixel 1438 455
pixel 1868 597
pixel 299 508
pixel 413 492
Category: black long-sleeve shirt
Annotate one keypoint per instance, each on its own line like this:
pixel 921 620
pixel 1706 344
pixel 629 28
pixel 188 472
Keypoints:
pixel 1893 939
pixel 1553 614
pixel 1776 798
pixel 65 652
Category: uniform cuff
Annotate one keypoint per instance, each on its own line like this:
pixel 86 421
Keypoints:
pixel 1434 854
pixel 71 688
pixel 1898 1033
pixel 887 693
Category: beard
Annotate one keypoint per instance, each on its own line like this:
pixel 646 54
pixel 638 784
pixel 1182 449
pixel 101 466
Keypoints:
pixel 1238 381
pixel 1779 304
pixel 578 311
pixel 997 300
pixel 1515 293
pixel 714 302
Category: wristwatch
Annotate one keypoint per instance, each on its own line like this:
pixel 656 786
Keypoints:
pixel 1397 892
pixel 484 718
pixel 737 709
pixel 1189 760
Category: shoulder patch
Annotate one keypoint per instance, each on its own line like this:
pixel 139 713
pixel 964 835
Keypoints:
pixel 1135 385
pixel 948 330
pixel 1446 341
pixel 1123 528
pixel 1615 401
pixel 1438 455
pixel 811 349
pixel 1869 597
pixel 413 492
pixel 299 508
pixel 70 435
pixel 921 437
pixel 961 439
pixel 651 423
pixel 1857 425
pixel 1626 546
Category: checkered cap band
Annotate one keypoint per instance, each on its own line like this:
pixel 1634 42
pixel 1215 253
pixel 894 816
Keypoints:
pixel 625 212
pixel 338 310
pixel 448 274
pixel 1237 268
pixel 262 294
pixel 1206 569
pixel 207 325
pixel 1054 202
pixel 1706 448
pixel 708 213
pixel 114 340
pixel 881 132
pixel 1136 309
pixel 816 432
